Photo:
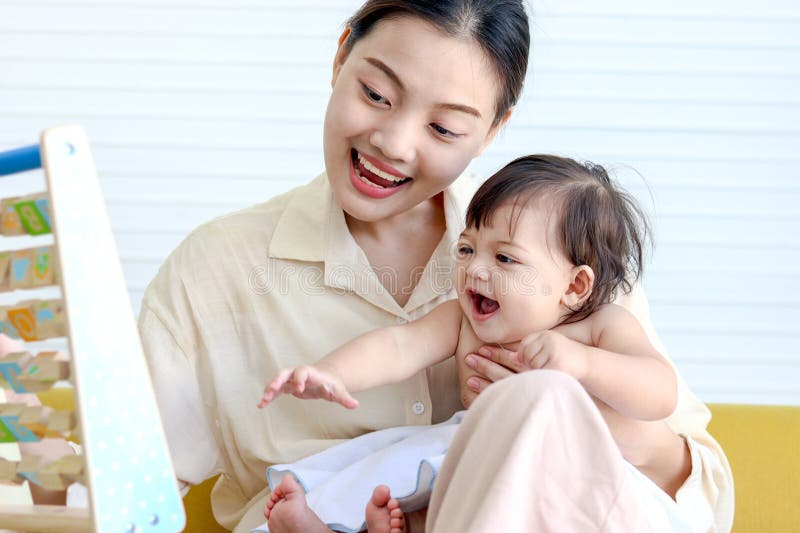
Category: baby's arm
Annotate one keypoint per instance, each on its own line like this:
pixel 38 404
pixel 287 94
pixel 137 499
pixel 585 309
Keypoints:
pixel 382 356
pixel 624 370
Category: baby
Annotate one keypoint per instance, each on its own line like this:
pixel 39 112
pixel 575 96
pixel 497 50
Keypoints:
pixel 549 242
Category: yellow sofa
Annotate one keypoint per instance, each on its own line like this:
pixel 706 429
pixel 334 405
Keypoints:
pixel 760 442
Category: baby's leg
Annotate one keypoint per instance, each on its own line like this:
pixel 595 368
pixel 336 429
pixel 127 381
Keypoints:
pixel 383 512
pixel 287 512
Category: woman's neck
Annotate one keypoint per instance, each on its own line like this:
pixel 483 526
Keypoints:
pixel 425 218
pixel 401 245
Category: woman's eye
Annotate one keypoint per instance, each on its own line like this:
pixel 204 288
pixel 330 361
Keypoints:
pixel 504 258
pixel 442 131
pixel 374 96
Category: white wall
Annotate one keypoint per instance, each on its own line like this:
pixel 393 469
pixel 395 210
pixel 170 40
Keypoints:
pixel 196 108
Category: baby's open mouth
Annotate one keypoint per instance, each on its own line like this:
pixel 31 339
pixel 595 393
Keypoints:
pixel 372 175
pixel 482 305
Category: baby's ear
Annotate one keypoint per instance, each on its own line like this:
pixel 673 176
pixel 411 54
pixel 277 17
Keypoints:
pixel 580 286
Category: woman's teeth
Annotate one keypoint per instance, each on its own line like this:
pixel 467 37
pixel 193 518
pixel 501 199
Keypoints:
pixel 378 172
pixel 373 176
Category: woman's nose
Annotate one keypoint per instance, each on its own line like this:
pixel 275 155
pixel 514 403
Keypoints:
pixel 396 138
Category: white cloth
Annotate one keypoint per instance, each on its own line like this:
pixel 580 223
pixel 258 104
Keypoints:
pixel 339 481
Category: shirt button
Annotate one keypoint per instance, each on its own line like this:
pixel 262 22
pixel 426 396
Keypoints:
pixel 401 320
pixel 418 408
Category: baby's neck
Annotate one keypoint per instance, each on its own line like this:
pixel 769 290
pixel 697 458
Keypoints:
pixel 510 346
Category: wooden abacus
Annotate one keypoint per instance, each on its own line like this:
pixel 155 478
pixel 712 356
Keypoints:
pixel 125 461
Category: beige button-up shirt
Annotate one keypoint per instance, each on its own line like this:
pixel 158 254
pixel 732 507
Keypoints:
pixel 281 284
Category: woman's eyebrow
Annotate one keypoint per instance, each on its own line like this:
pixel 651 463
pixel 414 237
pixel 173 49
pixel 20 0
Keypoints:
pixel 377 63
pixel 392 75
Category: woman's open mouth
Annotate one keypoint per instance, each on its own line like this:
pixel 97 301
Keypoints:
pixel 483 307
pixel 371 180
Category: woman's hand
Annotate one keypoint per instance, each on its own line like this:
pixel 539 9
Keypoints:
pixel 308 382
pixel 492 363
pixel 544 349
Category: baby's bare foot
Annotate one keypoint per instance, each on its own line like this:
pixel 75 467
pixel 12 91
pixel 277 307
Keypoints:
pixel 287 512
pixel 383 512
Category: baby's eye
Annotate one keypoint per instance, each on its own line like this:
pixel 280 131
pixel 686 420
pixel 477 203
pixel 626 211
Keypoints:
pixel 504 258
pixel 374 96
pixel 464 250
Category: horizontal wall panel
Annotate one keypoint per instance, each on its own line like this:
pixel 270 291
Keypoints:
pixel 724 288
pixel 735 258
pixel 149 21
pixel 261 51
pixel 714 9
pixel 726 349
pixel 775 319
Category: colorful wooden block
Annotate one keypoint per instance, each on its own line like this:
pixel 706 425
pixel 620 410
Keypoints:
pixel 23 319
pixel 32 414
pixel 6 435
pixel 61 421
pixel 21 269
pixel 6 327
pixel 31 215
pixel 20 432
pixel 11 366
pixel 34 320
pixel 55 475
pixel 39 420
pixel 10 223
pixel 50 321
pixel 8 471
pixel 43 206
pixel 44 372
pixel 28 468
pixel 61 473
pixel 43 271
pixel 5 271
pixel 12 409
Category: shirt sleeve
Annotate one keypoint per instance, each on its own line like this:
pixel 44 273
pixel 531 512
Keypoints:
pixel 195 453
pixel 636 302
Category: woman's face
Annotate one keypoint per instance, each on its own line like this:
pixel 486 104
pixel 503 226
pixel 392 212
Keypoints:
pixel 410 108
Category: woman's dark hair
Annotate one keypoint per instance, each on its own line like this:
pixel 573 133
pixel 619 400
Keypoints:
pixel 599 224
pixel 500 27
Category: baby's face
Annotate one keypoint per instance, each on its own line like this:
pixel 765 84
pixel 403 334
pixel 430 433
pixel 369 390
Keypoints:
pixel 511 285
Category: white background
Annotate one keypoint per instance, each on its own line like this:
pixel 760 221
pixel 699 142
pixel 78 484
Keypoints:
pixel 196 108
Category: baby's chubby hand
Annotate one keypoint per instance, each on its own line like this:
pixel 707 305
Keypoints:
pixel 308 382
pixel 552 350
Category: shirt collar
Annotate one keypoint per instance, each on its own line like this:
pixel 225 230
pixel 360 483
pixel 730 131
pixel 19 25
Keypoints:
pixel 312 228
pixel 300 232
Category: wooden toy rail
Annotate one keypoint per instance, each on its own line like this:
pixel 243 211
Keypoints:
pixel 125 462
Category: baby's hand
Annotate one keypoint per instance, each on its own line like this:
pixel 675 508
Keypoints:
pixel 552 350
pixel 308 382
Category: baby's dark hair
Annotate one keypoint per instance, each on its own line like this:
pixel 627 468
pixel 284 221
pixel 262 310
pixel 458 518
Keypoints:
pixel 600 225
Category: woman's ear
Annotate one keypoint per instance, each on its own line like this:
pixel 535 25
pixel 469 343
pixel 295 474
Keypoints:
pixel 341 54
pixel 492 133
pixel 580 286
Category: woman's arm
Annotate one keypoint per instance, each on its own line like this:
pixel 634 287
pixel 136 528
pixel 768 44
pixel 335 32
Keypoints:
pixel 382 356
